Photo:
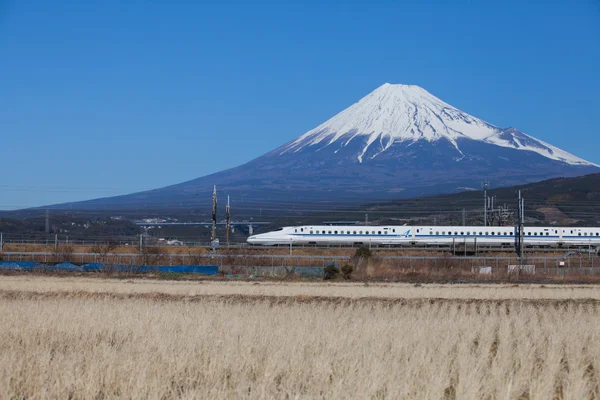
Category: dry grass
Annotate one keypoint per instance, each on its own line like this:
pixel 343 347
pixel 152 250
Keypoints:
pixel 82 285
pixel 269 251
pixel 100 338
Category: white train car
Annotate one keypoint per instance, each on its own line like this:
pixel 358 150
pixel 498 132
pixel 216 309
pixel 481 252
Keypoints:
pixel 426 235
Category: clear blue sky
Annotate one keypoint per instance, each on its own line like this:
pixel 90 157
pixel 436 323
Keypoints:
pixel 109 97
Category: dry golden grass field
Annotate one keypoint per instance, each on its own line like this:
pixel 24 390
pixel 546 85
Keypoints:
pixel 94 338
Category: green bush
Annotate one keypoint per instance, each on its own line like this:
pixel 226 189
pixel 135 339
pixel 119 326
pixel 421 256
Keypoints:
pixel 363 252
pixel 347 271
pixel 330 272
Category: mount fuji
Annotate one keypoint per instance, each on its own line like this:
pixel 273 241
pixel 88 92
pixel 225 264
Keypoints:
pixel 398 141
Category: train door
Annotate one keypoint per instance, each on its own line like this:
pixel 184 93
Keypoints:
pixel 560 236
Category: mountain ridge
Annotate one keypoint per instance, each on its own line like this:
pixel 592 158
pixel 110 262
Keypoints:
pixel 398 141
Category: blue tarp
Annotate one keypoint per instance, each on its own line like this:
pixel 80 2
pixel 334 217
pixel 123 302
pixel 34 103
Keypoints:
pixel 91 267
pixel 309 272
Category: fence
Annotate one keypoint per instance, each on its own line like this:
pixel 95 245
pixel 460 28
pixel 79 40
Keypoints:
pixel 253 264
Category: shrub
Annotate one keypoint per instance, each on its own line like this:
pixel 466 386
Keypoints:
pixel 152 255
pixel 330 272
pixel 63 253
pixel 347 271
pixel 363 252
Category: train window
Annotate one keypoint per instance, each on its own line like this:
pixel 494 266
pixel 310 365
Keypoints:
pixel 596 233
pixel 547 233
pixel 456 233
pixel 468 233
pixel 437 232
pixel 481 233
pixel 493 233
pixel 379 233
pixel 311 232
pixel 462 233
pixel 301 229
pixel 555 231
pixel 571 231
pixel 417 230
pixel 330 232
pixel 385 232
pixel 444 232
pixel 354 232
pixel 361 232
pixel 335 232
pixel 393 230
pixel 296 230
pixel 579 233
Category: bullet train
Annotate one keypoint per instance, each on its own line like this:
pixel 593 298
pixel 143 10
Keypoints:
pixel 391 235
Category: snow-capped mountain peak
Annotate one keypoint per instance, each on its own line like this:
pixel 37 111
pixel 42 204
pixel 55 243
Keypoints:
pixel 396 113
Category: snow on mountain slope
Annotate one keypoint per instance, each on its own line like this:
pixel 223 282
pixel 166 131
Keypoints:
pixel 407 113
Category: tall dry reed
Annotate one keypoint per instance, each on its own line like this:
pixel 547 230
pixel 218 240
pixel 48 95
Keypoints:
pixel 77 344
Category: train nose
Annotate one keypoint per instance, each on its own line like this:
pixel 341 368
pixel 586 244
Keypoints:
pixel 252 239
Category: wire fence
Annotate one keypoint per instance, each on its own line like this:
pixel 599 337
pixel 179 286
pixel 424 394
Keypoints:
pixel 377 266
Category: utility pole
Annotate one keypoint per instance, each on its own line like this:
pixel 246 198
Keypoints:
pixel 213 235
pixel 227 220
pixel 484 185
pixel 464 217
pixel 366 219
pixel 47 220
pixel 519 229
